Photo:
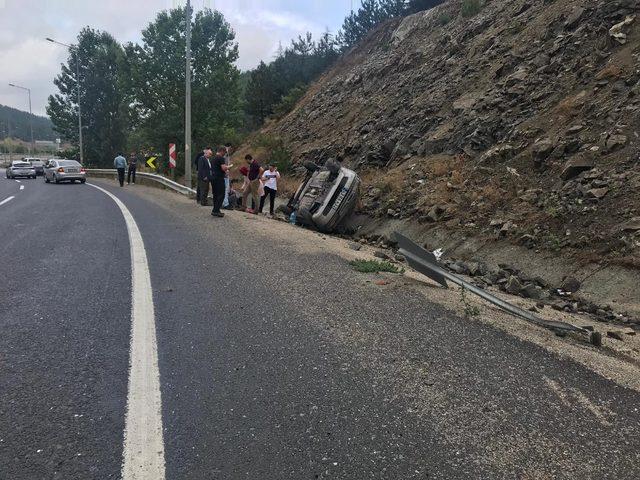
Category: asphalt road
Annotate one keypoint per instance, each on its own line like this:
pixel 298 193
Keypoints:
pixel 274 364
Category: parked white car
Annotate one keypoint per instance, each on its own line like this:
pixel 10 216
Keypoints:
pixel 20 168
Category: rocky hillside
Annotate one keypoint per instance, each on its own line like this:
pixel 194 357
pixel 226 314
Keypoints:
pixel 519 122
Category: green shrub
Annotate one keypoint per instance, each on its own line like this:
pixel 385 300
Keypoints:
pixel 471 8
pixel 374 266
pixel 289 101
pixel 444 18
pixel 277 151
pixel 469 310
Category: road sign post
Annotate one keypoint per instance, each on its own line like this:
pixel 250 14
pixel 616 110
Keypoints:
pixel 172 155
pixel 172 159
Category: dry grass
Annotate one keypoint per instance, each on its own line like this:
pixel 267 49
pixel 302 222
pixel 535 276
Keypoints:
pixel 389 181
pixel 457 178
pixel 287 185
pixel 445 165
pixel 611 71
pixel 492 192
pixel 571 104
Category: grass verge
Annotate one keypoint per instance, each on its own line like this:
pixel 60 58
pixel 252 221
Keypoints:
pixel 374 266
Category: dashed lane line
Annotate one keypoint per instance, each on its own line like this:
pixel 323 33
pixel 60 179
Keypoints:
pixel 21 187
pixel 143 454
pixel 7 200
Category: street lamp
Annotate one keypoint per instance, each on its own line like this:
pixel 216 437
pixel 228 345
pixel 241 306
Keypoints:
pixel 32 149
pixel 78 85
pixel 187 105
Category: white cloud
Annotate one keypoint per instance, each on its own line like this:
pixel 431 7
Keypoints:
pixel 26 58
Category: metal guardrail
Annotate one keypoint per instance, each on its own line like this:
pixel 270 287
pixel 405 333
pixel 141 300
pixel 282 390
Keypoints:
pixel 170 184
pixel 425 262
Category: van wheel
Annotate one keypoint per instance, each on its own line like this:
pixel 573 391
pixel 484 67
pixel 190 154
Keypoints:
pixel 46 180
pixel 83 181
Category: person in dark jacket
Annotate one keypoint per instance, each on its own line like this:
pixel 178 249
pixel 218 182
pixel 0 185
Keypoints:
pixel 196 159
pixel 219 169
pixel 133 165
pixel 204 175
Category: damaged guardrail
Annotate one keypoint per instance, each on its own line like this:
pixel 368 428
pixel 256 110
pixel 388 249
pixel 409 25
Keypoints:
pixel 426 263
pixel 170 184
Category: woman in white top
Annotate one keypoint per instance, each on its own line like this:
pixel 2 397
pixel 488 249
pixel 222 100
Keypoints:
pixel 270 178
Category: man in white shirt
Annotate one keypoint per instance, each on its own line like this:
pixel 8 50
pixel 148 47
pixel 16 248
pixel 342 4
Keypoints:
pixel 270 179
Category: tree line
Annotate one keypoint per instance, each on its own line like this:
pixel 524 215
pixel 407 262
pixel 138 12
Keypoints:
pixel 273 89
pixel 132 95
pixel 16 124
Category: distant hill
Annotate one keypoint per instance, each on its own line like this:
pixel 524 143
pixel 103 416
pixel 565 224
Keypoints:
pixel 15 123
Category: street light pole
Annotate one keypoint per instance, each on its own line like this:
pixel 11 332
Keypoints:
pixel 187 105
pixel 32 148
pixel 79 106
pixel 78 90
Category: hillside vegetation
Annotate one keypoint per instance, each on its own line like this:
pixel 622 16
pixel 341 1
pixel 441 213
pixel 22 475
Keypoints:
pixel 515 119
pixel 15 124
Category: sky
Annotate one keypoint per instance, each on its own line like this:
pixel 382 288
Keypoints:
pixel 27 59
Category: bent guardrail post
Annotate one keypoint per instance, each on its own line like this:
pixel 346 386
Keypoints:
pixel 425 262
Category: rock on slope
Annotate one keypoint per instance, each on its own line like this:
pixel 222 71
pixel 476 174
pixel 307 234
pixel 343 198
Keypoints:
pixel 522 121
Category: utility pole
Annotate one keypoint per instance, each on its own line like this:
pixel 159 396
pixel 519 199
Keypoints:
pixel 79 107
pixel 187 104
pixel 32 148
pixel 70 47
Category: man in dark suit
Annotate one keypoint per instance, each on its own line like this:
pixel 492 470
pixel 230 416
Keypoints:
pixel 204 175
pixel 196 161
pixel 219 169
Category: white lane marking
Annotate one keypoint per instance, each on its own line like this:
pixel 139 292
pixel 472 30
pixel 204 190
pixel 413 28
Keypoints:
pixel 18 181
pixel 21 187
pixel 7 200
pixel 143 455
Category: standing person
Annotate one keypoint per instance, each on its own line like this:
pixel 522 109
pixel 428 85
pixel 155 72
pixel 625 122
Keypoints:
pixel 244 171
pixel 196 167
pixel 255 171
pixel 133 165
pixel 219 169
pixel 270 178
pixel 204 175
pixel 120 164
pixel 227 180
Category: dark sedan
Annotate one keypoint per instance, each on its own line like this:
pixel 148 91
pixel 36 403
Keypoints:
pixel 38 166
